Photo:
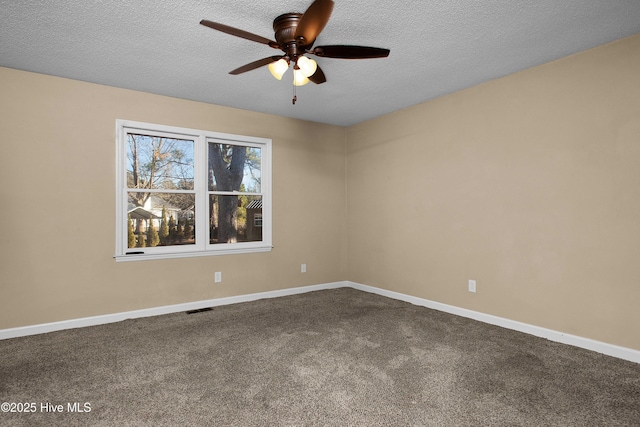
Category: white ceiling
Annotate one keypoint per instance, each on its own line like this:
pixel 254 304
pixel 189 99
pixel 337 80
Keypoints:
pixel 437 47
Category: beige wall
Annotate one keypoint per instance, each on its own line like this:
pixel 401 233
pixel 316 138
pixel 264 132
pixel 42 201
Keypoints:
pixel 57 240
pixel 529 184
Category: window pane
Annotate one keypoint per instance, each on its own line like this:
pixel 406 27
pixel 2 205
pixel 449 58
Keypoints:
pixel 159 163
pixel 234 168
pixel 235 219
pixel 160 219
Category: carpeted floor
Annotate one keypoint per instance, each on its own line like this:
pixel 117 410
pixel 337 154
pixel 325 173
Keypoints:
pixel 333 357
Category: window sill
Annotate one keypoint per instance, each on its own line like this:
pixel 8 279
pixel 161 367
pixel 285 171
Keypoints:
pixel 149 256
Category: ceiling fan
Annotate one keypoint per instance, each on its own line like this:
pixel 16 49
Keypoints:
pixel 295 34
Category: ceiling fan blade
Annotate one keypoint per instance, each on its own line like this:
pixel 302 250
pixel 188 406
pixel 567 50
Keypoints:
pixel 238 33
pixel 350 52
pixel 256 64
pixel 313 21
pixel 318 77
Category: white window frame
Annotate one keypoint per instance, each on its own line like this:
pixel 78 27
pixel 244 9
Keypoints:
pixel 202 247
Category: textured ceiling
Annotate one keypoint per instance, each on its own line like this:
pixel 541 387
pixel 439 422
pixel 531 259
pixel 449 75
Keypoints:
pixel 437 47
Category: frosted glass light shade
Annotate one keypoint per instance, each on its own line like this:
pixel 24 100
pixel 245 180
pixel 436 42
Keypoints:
pixel 299 79
pixel 307 65
pixel 278 68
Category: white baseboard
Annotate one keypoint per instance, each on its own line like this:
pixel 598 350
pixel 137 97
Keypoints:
pixel 586 343
pixel 576 341
pixel 158 311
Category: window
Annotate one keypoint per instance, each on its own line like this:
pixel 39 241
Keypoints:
pixel 257 220
pixel 185 192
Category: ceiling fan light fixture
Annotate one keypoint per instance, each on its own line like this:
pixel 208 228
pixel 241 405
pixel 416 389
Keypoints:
pixel 307 66
pixel 299 79
pixel 278 68
pixel 295 34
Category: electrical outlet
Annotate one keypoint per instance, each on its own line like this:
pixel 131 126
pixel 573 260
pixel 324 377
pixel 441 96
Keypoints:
pixel 218 277
pixel 472 285
pixel 303 268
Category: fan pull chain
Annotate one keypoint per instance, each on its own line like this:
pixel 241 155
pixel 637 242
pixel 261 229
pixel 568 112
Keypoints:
pixel 295 97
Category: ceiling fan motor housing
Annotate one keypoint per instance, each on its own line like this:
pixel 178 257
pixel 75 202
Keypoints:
pixel 285 29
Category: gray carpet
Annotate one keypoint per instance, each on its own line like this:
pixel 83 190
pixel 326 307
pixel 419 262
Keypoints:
pixel 333 357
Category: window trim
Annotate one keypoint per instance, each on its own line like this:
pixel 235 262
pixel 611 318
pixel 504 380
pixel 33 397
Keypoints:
pixel 202 246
